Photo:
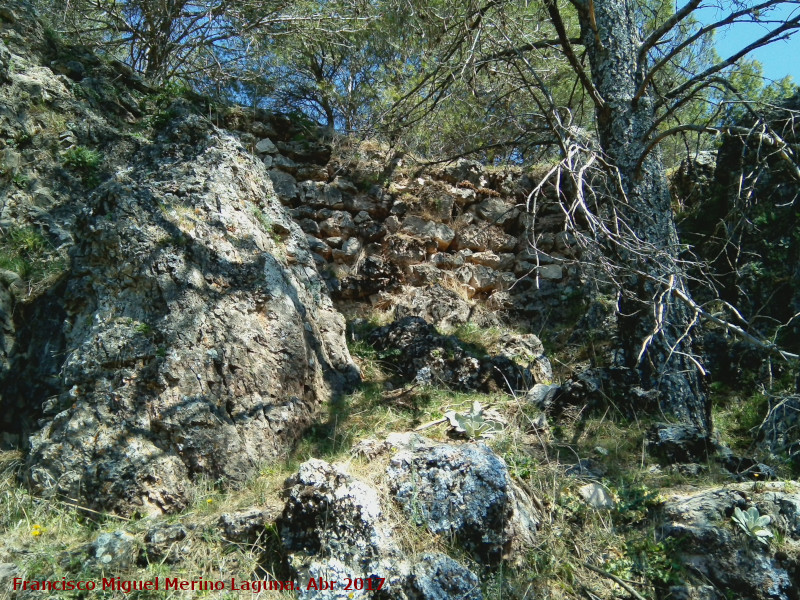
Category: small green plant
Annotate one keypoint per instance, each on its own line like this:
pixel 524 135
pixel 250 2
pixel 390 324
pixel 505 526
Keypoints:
pixel 85 162
pixel 635 500
pixel 144 329
pixel 21 139
pixel 162 118
pixel 26 252
pixel 472 424
pixel 266 222
pixel 20 180
pixel 753 524
pixel 82 158
pixel 391 353
pixel 655 561
pixel 171 91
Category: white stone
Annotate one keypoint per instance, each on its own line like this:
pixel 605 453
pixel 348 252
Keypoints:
pixel 596 496
pixel 266 146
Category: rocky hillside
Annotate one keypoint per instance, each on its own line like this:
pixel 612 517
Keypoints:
pixel 163 316
pixel 237 351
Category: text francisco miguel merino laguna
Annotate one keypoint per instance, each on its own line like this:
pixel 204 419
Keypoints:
pixel 372 583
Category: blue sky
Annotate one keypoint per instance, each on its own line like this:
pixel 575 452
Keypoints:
pixel 779 59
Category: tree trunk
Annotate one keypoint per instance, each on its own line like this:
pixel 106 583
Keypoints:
pixel 611 37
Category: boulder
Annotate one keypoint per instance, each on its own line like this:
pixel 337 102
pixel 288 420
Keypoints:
pixel 420 228
pixel 679 443
pixel 404 251
pixel 445 260
pixel 500 262
pixel 442 307
pixel 419 353
pixel 439 577
pixel 543 395
pixel 439 207
pixel 480 238
pixel 554 272
pixel 266 146
pixel 463 491
pixel 464 170
pixel 331 523
pixel 392 224
pixel 318 246
pixel 423 274
pixel 372 276
pixel 339 224
pixel 283 163
pixel 309 226
pixel 717 551
pixel 371 231
pixel 498 212
pixel 597 496
pixel 306 150
pixel 321 195
pixel 349 252
pixel 336 527
pixel 682 443
pixel 112 552
pixel 473 238
pixel 484 279
pixel 190 344
pixel 523 347
pixel 246 527
pixel 743 467
pixel 165 543
pixel 285 185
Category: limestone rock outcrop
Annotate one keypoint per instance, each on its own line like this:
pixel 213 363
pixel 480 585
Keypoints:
pixel 463 491
pixel 335 527
pixel 199 335
pixel 722 554
pixel 171 322
pixel 421 354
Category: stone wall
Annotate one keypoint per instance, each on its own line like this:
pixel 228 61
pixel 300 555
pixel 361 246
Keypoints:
pixel 379 224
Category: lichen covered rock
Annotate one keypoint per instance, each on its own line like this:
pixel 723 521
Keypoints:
pixel 419 353
pixel 335 527
pixel 463 491
pixel 198 335
pixel 721 553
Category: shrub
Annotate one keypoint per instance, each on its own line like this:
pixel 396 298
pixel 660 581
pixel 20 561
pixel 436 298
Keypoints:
pixel 81 158
pixel 84 162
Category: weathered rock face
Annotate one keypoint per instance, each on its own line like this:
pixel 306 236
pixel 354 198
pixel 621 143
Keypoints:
pixel 679 443
pixel 335 527
pixel 471 233
pixel 332 520
pixel 421 354
pixel 199 336
pixel 188 330
pixel 442 308
pixel 723 555
pixel 463 491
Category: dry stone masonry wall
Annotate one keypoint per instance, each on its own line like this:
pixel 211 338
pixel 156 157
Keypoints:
pixel 462 227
